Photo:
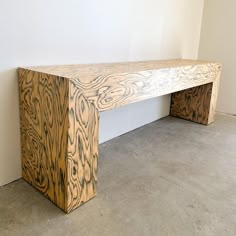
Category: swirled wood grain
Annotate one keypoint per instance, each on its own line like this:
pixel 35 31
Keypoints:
pixel 117 90
pixel 113 85
pixel 214 96
pixel 197 104
pixel 82 149
pixel 44 110
pixel 192 104
pixel 59 111
pixel 59 139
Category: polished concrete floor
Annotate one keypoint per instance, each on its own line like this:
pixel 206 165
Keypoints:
pixel 171 177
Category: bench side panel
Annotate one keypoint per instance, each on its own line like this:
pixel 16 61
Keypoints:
pixel 82 149
pixel 44 130
pixel 197 104
pixel 192 104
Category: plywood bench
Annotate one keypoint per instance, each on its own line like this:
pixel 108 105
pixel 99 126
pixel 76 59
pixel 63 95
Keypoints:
pixel 59 113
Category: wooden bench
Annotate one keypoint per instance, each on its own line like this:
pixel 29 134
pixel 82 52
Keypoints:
pixel 59 113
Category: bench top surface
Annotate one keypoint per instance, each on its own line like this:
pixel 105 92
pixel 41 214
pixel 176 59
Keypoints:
pixel 113 85
pixel 87 73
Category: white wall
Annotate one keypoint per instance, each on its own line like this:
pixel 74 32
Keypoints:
pixel 77 31
pixel 218 42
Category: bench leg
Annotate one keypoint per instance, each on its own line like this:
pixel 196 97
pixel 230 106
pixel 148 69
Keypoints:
pixel 59 139
pixel 82 150
pixel 196 104
pixel 44 133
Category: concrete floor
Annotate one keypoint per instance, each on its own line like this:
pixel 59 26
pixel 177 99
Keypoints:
pixel 171 177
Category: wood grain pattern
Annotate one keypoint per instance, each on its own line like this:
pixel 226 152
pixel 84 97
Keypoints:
pixel 82 149
pixel 44 128
pixel 87 73
pixel 214 96
pixel 113 91
pixel 192 104
pixel 197 104
pixel 110 86
pixel 59 139
pixel 59 111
